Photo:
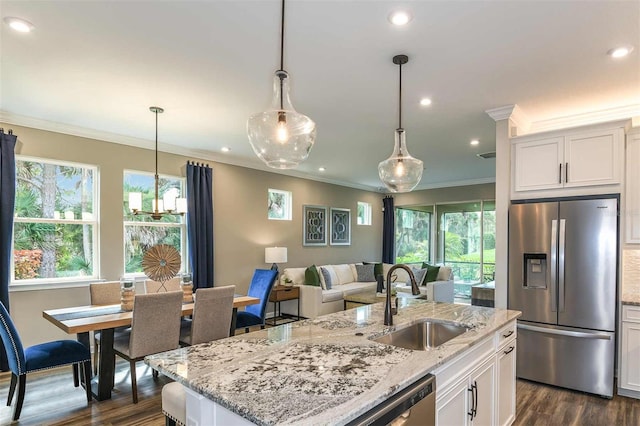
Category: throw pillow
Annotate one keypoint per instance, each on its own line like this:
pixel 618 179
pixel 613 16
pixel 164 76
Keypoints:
pixel 327 278
pixel 432 272
pixel 377 268
pixel 420 275
pixel 365 273
pixel 311 276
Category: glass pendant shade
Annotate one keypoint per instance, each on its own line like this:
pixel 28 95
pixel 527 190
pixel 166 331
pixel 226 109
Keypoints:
pixel 280 136
pixel 400 172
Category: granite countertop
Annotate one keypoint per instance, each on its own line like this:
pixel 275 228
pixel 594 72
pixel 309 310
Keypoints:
pixel 321 371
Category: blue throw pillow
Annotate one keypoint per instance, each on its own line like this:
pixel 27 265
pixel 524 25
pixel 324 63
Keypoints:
pixel 327 278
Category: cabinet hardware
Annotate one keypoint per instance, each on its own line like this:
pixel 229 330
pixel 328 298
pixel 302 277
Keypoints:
pixel 475 399
pixel 472 412
pixel 508 334
pixel 566 172
pixel 508 351
pixel 560 174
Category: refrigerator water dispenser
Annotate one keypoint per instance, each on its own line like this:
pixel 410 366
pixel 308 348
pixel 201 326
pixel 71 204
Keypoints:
pixel 535 270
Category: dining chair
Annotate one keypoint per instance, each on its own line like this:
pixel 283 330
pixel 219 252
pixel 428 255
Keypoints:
pixel 104 293
pixel 155 327
pixel 39 357
pixel 211 318
pixel 151 286
pixel 260 287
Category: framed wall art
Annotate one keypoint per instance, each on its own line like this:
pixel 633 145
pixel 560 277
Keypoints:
pixel 279 205
pixel 340 227
pixel 314 226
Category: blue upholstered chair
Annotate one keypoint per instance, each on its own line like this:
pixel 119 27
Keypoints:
pixel 261 285
pixel 38 357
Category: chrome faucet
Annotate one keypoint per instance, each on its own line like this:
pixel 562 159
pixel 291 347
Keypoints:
pixel 388 310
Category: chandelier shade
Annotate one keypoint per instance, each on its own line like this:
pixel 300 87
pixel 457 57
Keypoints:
pixel 280 136
pixel 171 202
pixel 400 172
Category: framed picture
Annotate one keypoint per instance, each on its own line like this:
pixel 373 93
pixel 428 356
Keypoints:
pixel 279 205
pixel 314 226
pixel 340 227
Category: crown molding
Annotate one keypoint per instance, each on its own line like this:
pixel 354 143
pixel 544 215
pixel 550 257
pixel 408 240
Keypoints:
pixel 449 184
pixel 582 119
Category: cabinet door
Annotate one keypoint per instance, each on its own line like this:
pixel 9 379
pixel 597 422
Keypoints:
pixel 593 158
pixel 453 407
pixel 537 164
pixel 484 380
pixel 630 367
pixel 632 207
pixel 506 384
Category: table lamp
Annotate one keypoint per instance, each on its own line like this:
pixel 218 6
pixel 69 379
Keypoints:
pixel 275 255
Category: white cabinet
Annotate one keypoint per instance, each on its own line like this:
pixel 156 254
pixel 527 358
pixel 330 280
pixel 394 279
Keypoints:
pixel 629 381
pixel 479 386
pixel 632 199
pixel 570 159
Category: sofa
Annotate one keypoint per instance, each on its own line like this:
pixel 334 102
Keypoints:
pixel 317 300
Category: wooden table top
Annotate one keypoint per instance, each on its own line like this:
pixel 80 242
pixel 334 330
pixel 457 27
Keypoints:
pixel 112 320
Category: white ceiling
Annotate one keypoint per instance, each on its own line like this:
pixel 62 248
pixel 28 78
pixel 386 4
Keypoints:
pixel 94 68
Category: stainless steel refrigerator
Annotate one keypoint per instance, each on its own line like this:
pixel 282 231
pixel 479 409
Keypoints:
pixel 563 274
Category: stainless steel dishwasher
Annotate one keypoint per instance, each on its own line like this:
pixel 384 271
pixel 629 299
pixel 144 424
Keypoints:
pixel 415 405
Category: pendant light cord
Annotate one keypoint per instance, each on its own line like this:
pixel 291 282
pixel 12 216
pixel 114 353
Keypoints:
pixel 282 57
pixel 156 176
pixel 400 98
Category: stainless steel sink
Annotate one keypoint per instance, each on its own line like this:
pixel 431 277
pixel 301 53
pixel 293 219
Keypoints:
pixel 422 335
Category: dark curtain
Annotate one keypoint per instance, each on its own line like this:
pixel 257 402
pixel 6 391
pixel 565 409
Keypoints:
pixel 200 223
pixel 388 230
pixel 7 202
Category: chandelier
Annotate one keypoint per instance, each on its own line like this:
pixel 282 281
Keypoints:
pixel 170 204
pixel 400 172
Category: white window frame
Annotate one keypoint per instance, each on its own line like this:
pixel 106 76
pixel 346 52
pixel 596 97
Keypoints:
pixel 367 213
pixel 184 267
pixel 288 205
pixel 50 283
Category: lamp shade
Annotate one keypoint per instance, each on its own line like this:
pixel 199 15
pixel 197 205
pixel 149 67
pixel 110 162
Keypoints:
pixel 275 255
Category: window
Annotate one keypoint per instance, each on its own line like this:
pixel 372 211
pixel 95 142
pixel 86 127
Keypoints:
pixel 279 204
pixel 413 234
pixel 364 213
pixel 142 232
pixel 55 221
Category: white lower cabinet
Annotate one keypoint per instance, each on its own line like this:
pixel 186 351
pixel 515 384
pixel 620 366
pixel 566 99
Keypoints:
pixel 479 386
pixel 629 381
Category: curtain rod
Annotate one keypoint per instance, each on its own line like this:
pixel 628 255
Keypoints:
pixel 10 131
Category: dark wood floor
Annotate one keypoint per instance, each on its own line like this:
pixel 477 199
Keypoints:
pixel 51 399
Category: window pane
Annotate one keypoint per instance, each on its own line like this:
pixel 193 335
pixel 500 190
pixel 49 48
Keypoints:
pixel 139 238
pixel 413 235
pixel 47 190
pixel 145 184
pixel 52 250
pixel 364 213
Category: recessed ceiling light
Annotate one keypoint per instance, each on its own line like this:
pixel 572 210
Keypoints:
pixel 425 101
pixel 225 149
pixel 400 17
pixel 19 24
pixel 620 52
pixel 321 169
pixel 475 142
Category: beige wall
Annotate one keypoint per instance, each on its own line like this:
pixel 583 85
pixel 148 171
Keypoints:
pixel 486 191
pixel 241 227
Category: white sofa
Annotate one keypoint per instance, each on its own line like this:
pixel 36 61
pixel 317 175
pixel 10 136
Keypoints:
pixel 440 290
pixel 314 301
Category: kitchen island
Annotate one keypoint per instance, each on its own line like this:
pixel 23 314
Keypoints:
pixel 322 371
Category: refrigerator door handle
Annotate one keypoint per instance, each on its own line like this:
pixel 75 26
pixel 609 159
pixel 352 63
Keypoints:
pixel 554 265
pixel 561 253
pixel 580 334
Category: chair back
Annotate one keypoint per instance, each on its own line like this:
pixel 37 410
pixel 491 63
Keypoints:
pixel 105 293
pixel 212 313
pixel 261 285
pixel 155 325
pixel 12 344
pixel 151 286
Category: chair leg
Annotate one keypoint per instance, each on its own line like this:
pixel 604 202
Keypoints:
pixel 76 380
pixel 96 355
pixel 22 383
pixel 154 373
pixel 87 378
pixel 262 327
pixel 134 381
pixel 12 388
pixel 246 330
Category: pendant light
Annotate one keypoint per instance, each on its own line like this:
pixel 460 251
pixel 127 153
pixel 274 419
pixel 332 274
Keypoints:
pixel 280 136
pixel 400 172
pixel 170 201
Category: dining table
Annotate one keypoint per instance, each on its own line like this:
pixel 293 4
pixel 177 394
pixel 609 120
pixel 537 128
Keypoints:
pixel 81 320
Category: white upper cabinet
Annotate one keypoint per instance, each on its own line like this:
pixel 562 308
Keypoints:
pixel 555 163
pixel 632 208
